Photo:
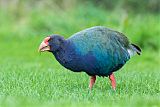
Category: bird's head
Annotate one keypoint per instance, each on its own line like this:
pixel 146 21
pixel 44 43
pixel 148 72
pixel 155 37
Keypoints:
pixel 51 43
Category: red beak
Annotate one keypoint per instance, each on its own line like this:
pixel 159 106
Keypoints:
pixel 44 45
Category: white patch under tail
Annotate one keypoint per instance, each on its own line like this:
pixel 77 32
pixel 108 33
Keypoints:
pixel 131 52
pixel 133 49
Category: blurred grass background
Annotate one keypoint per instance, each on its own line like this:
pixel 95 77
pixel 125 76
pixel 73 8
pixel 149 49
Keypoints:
pixel 26 19
pixel 29 79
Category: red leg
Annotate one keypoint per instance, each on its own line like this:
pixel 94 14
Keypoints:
pixel 113 81
pixel 92 81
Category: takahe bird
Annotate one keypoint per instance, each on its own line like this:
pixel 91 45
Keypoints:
pixel 98 51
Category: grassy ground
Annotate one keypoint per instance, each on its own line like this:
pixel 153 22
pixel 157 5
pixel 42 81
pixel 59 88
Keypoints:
pixel 28 78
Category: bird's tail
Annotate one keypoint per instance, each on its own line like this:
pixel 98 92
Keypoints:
pixel 134 49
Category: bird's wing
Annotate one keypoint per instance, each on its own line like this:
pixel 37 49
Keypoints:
pixel 108 47
pixel 98 38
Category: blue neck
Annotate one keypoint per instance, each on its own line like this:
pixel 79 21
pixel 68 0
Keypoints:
pixel 63 52
pixel 68 57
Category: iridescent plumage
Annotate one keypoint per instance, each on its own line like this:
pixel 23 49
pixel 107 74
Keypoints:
pixel 106 48
pixel 97 51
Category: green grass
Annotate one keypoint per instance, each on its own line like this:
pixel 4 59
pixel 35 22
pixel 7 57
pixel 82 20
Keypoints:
pixel 31 79
pixel 28 78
